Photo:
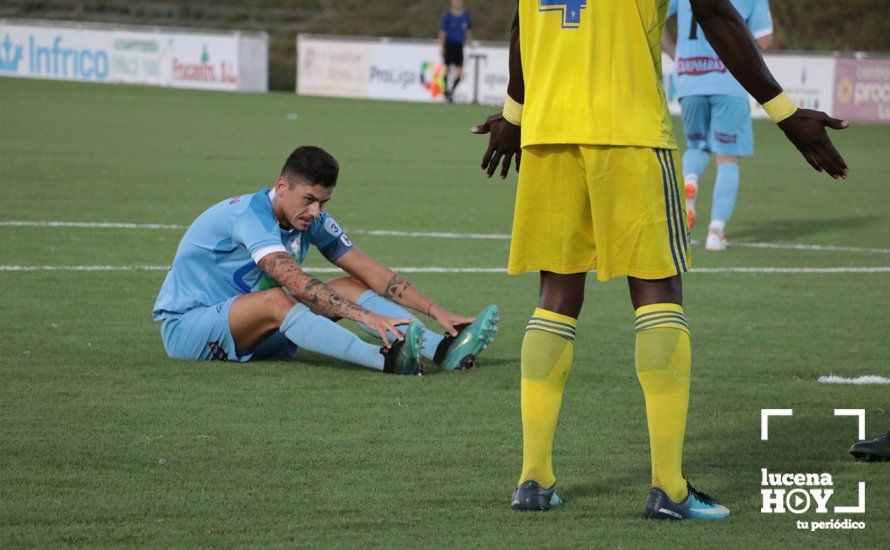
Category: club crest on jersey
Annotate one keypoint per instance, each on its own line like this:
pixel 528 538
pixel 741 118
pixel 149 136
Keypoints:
pixel 294 245
pixel 331 227
pixel 570 9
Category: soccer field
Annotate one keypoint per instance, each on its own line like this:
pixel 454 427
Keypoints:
pixel 104 441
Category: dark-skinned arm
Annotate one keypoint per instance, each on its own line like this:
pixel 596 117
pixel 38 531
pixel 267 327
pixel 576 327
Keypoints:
pixel 320 297
pixel 504 142
pixel 727 32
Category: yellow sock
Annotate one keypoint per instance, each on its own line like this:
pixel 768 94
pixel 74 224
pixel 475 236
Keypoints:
pixel 546 361
pixel 663 360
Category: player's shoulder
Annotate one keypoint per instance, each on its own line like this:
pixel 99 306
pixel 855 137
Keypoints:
pixel 325 227
pixel 252 209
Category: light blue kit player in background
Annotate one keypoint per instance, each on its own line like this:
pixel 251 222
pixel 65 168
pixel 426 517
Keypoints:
pixel 715 110
pixel 236 290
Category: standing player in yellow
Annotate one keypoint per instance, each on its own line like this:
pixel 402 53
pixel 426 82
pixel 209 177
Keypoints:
pixel 598 190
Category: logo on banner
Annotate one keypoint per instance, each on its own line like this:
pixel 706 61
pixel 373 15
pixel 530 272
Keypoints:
pixel 10 55
pixel 432 78
pixel 53 60
pixel 204 70
pixel 802 492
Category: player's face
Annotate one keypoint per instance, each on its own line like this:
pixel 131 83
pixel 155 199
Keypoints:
pixel 301 204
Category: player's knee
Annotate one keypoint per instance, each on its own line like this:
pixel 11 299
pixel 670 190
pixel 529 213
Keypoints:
pixel 726 159
pixel 279 303
pixel 563 294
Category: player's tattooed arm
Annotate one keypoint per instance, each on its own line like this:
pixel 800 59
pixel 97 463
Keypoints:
pixel 392 286
pixel 308 289
pixel 396 288
pixel 321 298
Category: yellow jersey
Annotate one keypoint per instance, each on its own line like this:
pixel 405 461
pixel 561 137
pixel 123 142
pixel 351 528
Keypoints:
pixel 592 71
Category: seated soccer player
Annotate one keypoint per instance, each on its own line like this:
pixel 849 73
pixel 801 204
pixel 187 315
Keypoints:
pixel 236 290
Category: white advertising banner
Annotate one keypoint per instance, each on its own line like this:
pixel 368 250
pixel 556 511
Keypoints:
pixel 396 70
pixel 413 71
pixel 332 68
pixel 406 71
pixel 206 62
pixel 154 57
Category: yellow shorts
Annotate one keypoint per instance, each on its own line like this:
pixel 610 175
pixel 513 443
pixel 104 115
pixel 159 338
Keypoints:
pixel 618 210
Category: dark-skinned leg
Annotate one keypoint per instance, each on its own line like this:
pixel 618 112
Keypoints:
pixel 662 291
pixel 547 350
pixel 563 294
pixel 663 359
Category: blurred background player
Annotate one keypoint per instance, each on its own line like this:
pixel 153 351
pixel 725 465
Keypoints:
pixel 222 299
pixel 454 32
pixel 716 113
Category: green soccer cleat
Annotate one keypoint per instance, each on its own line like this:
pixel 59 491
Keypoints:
pixel 403 357
pixel 531 497
pixel 459 352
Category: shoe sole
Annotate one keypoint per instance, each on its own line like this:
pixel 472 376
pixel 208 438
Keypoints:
pixel 868 457
pixel 538 503
pixel 410 351
pixel 463 357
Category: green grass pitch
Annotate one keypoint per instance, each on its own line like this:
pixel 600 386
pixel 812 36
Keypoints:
pixel 104 441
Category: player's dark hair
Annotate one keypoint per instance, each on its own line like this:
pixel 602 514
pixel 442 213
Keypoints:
pixel 311 164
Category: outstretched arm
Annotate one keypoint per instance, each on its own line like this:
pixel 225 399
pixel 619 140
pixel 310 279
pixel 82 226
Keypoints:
pixel 727 32
pixel 389 284
pixel 504 142
pixel 311 291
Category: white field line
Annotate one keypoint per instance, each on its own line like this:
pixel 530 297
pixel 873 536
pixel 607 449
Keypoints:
pixel 859 380
pixel 455 270
pixel 427 234
pixel 92 225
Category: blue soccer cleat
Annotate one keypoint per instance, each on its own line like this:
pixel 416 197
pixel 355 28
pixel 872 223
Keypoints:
pixel 459 352
pixel 531 497
pixel 696 506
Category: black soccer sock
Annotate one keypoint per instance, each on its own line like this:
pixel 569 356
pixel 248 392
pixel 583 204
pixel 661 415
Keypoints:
pixel 454 85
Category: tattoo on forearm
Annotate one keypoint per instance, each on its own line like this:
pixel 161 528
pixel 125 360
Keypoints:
pixel 312 291
pixel 396 287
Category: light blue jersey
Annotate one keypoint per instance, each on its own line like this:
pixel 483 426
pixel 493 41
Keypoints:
pixel 698 69
pixel 217 257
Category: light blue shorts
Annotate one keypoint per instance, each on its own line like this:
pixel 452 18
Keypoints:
pixel 203 333
pixel 718 123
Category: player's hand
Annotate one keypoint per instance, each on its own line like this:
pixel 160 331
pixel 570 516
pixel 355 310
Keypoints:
pixel 806 130
pixel 447 319
pixel 386 327
pixel 504 143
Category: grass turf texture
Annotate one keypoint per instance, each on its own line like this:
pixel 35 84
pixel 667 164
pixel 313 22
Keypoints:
pixel 106 441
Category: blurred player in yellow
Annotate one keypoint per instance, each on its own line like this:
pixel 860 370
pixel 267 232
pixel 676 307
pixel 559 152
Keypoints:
pixel 598 190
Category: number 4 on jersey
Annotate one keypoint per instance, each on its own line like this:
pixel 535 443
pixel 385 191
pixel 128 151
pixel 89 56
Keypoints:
pixel 571 10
